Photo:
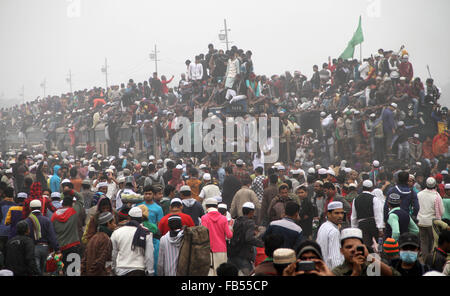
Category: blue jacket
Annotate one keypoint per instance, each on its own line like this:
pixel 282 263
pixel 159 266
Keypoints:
pixel 48 235
pixel 409 201
pixel 4 207
pixel 388 120
pixel 55 180
pixel 291 232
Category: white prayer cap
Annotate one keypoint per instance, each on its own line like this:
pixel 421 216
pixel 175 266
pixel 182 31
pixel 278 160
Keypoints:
pixel 222 206
pixel 376 163
pixel 135 212
pixel 447 186
pixel 239 162
pixel 179 167
pixel 55 195
pixel 151 157
pixel 394 105
pixel 102 184
pixel 311 171
pixel 444 172
pixel 331 172
pixel 35 203
pixel 207 177
pixel 202 166
pixel 249 205
pixel 367 184
pixel 416 135
pixel 211 201
pixel 185 188
pixel 431 182
pixel 347 170
pixel 352 185
pixel 65 181
pixel 91 169
pixel 322 171
pixel 174 200
pixel 281 168
pixel 310 131
pixel 401 123
pixel 335 205
pixel 22 195
pixel 284 256
pixel 351 233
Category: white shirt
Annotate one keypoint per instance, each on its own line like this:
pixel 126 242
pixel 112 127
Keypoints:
pixel 427 207
pixel 195 71
pixel 124 259
pixel 364 70
pixel 328 237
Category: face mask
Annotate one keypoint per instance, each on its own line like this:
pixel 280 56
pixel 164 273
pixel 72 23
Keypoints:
pixel 408 256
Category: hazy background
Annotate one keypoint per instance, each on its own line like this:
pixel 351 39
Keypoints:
pixel 45 38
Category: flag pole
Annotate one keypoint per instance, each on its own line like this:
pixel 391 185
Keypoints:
pixel 360 52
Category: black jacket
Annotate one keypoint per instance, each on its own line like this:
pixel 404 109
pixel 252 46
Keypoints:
pixel 243 241
pixel 19 257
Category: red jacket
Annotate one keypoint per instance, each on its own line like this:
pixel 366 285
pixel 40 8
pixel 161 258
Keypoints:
pixel 164 222
pixel 406 70
pixel 164 83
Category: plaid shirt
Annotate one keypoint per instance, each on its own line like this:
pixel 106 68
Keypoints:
pixel 258 187
pixel 241 173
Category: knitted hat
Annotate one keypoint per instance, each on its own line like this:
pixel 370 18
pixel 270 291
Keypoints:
pixel 104 218
pixel 390 247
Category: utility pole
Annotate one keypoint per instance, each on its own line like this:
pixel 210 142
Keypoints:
pixel 224 36
pixel 154 57
pixel 105 70
pixel 69 80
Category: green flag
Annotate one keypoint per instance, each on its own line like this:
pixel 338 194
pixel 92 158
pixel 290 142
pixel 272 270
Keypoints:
pixel 358 38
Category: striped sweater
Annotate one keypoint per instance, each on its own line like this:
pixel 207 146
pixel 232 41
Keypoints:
pixel 169 249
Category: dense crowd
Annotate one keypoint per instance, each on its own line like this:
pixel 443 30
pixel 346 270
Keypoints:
pixel 363 169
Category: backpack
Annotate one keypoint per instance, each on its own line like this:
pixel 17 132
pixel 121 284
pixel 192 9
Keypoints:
pixel 194 258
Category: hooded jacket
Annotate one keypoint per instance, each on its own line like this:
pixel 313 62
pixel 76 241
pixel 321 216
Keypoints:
pixel 65 222
pixel 55 180
pixel 217 225
pixel 408 199
pixel 169 249
pixel 194 209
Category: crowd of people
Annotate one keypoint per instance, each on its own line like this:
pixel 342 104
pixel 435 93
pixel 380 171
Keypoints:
pixel 363 169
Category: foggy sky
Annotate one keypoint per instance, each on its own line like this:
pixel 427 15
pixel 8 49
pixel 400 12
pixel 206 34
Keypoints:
pixel 39 39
